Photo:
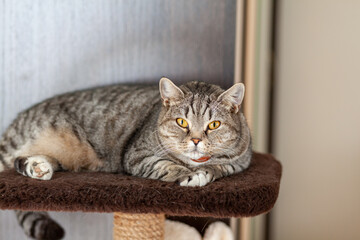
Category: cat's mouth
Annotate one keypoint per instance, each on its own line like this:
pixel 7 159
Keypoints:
pixel 202 159
pixel 199 157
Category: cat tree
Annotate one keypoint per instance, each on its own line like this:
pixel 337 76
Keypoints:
pixel 140 205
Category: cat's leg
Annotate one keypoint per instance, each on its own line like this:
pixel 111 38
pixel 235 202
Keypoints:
pixel 39 225
pixel 170 171
pixel 205 174
pixel 157 168
pixel 37 166
pixel 199 177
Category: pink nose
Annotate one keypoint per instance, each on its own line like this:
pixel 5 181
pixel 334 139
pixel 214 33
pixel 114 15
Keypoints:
pixel 196 140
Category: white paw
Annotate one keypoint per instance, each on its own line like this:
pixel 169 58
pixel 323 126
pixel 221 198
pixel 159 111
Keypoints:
pixel 38 167
pixel 197 179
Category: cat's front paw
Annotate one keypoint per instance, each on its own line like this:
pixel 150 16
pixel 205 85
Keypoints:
pixel 199 178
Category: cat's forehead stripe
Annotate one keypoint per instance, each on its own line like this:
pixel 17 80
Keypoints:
pixel 192 105
pixel 186 112
pixel 197 102
pixel 207 105
pixel 210 113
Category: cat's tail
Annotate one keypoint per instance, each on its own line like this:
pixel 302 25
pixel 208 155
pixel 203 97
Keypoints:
pixel 39 225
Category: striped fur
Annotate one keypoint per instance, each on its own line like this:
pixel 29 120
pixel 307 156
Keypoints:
pixel 129 129
pixel 39 225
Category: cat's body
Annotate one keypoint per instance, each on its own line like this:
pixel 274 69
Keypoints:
pixel 191 135
pixel 90 128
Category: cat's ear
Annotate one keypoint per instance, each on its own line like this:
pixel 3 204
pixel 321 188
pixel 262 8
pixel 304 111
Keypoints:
pixel 169 91
pixel 233 96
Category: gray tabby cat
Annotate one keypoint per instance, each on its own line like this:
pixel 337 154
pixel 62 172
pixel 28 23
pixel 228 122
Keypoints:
pixel 192 134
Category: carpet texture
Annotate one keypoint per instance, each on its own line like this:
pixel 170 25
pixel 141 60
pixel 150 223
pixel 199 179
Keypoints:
pixel 249 193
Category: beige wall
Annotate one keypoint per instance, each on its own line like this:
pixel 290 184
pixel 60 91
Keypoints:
pixel 317 133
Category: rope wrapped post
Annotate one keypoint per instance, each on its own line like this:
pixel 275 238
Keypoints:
pixel 138 226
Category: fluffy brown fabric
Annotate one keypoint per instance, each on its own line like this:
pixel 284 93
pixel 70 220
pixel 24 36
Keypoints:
pixel 249 193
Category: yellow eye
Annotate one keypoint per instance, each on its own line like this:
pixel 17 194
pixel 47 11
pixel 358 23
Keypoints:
pixel 182 122
pixel 214 125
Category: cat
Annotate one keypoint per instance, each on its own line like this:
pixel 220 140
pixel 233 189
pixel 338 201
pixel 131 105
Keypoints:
pixel 192 135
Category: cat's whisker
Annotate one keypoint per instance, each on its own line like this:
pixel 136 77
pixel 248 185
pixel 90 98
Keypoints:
pixel 163 148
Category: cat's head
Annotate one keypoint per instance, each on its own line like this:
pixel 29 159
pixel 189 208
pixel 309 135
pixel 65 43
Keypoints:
pixel 200 122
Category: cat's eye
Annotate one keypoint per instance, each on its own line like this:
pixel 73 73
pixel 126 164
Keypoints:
pixel 214 125
pixel 182 122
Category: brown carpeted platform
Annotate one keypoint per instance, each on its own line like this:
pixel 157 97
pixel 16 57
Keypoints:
pixel 249 193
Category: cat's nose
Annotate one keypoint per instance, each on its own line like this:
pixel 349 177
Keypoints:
pixel 196 140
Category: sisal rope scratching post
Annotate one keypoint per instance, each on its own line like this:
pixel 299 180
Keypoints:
pixel 129 226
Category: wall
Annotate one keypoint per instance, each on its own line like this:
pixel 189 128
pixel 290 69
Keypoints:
pixel 51 47
pixel 317 120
